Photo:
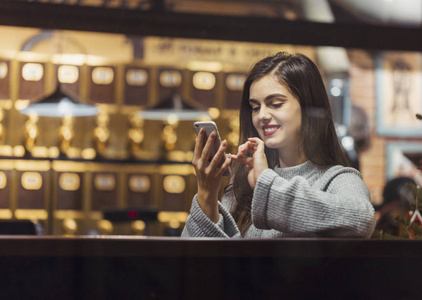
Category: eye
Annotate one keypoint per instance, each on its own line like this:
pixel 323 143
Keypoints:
pixel 255 108
pixel 276 105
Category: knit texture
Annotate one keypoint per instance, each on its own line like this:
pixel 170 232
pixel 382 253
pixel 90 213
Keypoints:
pixel 300 201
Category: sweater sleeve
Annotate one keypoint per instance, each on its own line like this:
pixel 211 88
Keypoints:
pixel 199 225
pixel 338 207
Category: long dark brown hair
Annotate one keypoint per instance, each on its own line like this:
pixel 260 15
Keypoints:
pixel 317 135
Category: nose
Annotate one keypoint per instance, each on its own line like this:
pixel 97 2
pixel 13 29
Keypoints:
pixel 264 114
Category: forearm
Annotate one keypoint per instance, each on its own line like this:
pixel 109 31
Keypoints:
pixel 209 205
pixel 199 225
pixel 294 207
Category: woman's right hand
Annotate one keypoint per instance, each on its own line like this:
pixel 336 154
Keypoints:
pixel 255 164
pixel 209 174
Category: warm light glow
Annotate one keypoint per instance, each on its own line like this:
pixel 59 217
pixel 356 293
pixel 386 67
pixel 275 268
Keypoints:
pixel 168 130
pixel 96 60
pixel 172 119
pixel 68 74
pixel 102 75
pixel 211 66
pixel 170 79
pixel 71 59
pixel 19 150
pixel 174 224
pixel 204 80
pixel 21 104
pixel 3 180
pixel 3 70
pixel 137 77
pixel 32 56
pixel 6 104
pixel 105 227
pixel 138 227
pixel 70 226
pixel 53 152
pixel 88 153
pixel 214 112
pixel 167 216
pixel 235 82
pixel 32 72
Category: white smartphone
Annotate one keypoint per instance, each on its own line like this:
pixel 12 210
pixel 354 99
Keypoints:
pixel 210 126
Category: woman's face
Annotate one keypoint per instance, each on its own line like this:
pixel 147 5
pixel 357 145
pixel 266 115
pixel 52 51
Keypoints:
pixel 276 113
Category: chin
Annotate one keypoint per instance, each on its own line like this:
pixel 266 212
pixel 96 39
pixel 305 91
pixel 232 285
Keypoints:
pixel 271 145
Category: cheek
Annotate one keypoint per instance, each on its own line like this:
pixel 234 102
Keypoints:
pixel 298 123
pixel 297 119
pixel 255 122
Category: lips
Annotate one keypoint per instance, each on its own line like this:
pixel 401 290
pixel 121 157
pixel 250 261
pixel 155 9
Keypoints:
pixel 270 129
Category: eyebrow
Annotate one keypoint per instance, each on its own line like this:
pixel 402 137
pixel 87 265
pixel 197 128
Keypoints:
pixel 269 98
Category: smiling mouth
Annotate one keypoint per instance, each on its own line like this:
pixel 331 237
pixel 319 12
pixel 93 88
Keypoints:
pixel 268 130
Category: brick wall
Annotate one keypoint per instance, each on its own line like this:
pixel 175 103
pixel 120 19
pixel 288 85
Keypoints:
pixel 363 94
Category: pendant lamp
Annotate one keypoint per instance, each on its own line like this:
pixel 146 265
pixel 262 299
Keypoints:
pixel 60 104
pixel 174 106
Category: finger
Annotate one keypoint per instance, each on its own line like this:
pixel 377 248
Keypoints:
pixel 206 152
pixel 258 144
pixel 226 163
pixel 242 149
pixel 239 154
pixel 199 145
pixel 250 147
pixel 219 155
pixel 255 140
pixel 246 160
pixel 260 147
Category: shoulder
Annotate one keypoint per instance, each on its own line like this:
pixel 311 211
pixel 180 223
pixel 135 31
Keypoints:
pixel 341 176
pixel 337 170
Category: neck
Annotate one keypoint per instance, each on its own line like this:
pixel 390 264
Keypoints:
pixel 291 159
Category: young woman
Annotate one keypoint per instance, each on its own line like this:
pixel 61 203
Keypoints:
pixel 290 175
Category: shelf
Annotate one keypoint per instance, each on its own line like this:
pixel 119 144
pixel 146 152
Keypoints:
pixel 202 26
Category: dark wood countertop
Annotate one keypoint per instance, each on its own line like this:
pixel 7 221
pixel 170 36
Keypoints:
pixel 126 267
pixel 121 246
pixel 98 246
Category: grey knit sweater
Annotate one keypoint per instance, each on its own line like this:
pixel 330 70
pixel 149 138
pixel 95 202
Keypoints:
pixel 299 201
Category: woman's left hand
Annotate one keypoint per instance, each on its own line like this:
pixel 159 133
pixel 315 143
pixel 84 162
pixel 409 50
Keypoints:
pixel 255 164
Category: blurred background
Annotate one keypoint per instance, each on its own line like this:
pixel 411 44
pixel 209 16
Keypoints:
pixel 98 98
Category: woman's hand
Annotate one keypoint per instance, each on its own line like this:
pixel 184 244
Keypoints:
pixel 209 174
pixel 255 164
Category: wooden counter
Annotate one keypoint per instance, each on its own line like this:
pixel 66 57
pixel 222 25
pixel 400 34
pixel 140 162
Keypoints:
pixel 123 267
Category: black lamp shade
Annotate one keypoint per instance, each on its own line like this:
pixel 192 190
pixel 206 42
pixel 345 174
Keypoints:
pixel 60 104
pixel 174 105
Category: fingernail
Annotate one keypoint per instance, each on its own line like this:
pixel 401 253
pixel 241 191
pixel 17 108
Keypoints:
pixel 224 143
